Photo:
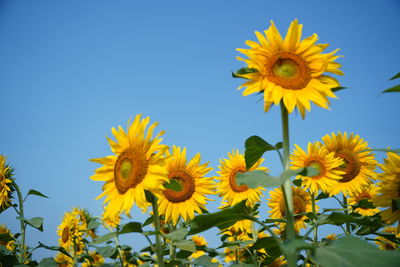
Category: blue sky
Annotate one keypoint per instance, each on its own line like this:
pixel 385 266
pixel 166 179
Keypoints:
pixel 71 70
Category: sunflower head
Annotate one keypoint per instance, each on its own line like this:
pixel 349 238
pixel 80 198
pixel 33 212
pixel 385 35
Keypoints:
pixel 199 241
pixel 10 244
pixel 138 164
pixel 6 188
pixel 63 260
pixel 228 189
pixel 98 260
pixel 367 193
pixel 358 163
pixel 319 158
pixel 194 187
pixel 385 243
pixel 290 70
pixel 389 188
pixel 71 232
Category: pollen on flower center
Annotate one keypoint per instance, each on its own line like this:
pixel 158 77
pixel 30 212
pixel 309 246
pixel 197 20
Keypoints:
pixel 288 70
pixel 232 182
pixel 187 187
pixel 351 166
pixel 130 169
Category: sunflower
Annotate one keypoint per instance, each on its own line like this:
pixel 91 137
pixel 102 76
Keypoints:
pixel 368 192
pixel 325 162
pixel 228 189
pixel 236 254
pixel 239 231
pixel 386 244
pixel 291 70
pixel 84 219
pixel 63 260
pixel 389 188
pixel 331 237
pixel 280 261
pixel 138 165
pixel 194 186
pixel 359 163
pixel 9 244
pixel 199 241
pixel 70 232
pixel 301 203
pixel 5 183
pixel 98 260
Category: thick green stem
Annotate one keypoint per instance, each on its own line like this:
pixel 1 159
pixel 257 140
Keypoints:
pixel 255 237
pixel 23 225
pixel 314 211
pixel 156 219
pixel 348 230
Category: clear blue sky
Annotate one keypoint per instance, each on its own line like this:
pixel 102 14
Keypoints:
pixel 71 70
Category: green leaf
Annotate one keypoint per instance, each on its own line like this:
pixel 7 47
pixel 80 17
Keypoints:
pixel 93 223
pixel 173 184
pixel 48 262
pixel 242 265
pixel 297 182
pixel 131 227
pixel 36 222
pixel 205 261
pixel 177 235
pixel 106 251
pixel 54 248
pixel 394 89
pixel 338 88
pixel 353 252
pixel 5 238
pixel 183 254
pixel 322 195
pixel 36 193
pixel 221 219
pixel 255 148
pixel 397 76
pixel 187 245
pixel 364 204
pixel 148 221
pixel 259 178
pixel 104 238
pixel 395 204
pixel 243 71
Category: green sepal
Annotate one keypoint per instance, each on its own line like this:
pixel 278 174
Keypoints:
pixel 243 71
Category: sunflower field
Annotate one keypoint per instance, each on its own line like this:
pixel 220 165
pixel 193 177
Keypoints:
pixel 174 190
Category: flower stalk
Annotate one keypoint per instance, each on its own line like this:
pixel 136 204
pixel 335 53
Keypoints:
pixel 22 223
pixel 156 219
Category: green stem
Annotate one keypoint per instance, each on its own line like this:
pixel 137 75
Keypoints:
pixel 348 230
pixel 314 211
pixel 23 225
pixel 253 229
pixel 156 219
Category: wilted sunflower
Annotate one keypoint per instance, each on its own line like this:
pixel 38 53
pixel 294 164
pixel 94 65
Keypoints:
pixel 199 241
pixel 228 189
pixel 301 204
pixel 290 69
pixel 5 183
pixel 71 232
pixel 389 188
pixel 359 163
pixel 194 187
pixel 368 193
pixel 385 243
pixel 319 158
pixel 9 244
pixel 138 165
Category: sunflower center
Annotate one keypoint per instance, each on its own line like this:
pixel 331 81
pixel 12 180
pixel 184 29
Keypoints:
pixel 232 182
pixel 187 187
pixel 130 169
pixel 318 166
pixel 363 195
pixel 299 206
pixel 351 166
pixel 288 70
pixel 65 234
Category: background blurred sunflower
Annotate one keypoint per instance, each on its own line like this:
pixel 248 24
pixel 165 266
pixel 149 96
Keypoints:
pixel 358 163
pixel 368 193
pixel 301 203
pixel 290 69
pixel 199 241
pixel 71 232
pixel 194 187
pixel 385 243
pixel 389 188
pixel 228 189
pixel 138 165
pixel 319 158
pixel 5 184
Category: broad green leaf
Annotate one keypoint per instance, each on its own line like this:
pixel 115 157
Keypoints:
pixel 205 261
pixel 259 178
pixel 364 204
pixel 93 223
pixel 173 185
pixel 243 71
pixel 186 245
pixel 106 251
pixel 183 254
pixel 395 204
pixel 255 148
pixel 104 238
pixel 48 262
pixel 131 227
pixel 338 88
pixel 353 252
pixel 177 235
pixel 148 221
pixel 5 237
pixel 54 248
pixel 297 182
pixel 36 222
pixel 322 195
pixel 269 244
pixel 221 219
pixel 36 193
pixel 291 247
pixel 397 76
pixel 394 89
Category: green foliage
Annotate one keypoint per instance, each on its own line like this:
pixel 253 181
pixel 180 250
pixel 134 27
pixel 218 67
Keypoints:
pixel 104 238
pixel 107 251
pixel 36 222
pixel 397 76
pixel 243 71
pixel 187 245
pixel 255 148
pixel 339 88
pixel 173 185
pixel 395 204
pixel 48 262
pixel 36 193
pixel 205 261
pixel 131 227
pixel 177 235
pixel 353 252
pixel 394 89
pixel 93 224
pixel 54 248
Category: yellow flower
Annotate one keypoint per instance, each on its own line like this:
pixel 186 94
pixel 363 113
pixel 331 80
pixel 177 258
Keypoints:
pixel 359 163
pixel 5 183
pixel 194 187
pixel 239 231
pixel 368 192
pixel 331 237
pixel 227 187
pixel 70 232
pixel 112 222
pixel 235 254
pixel 280 261
pixel 290 70
pixel 386 244
pixel 325 162
pixel 389 188
pixel 138 165
pixel 63 260
pixel 10 245
pixel 98 260
pixel 301 204
pixel 198 241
